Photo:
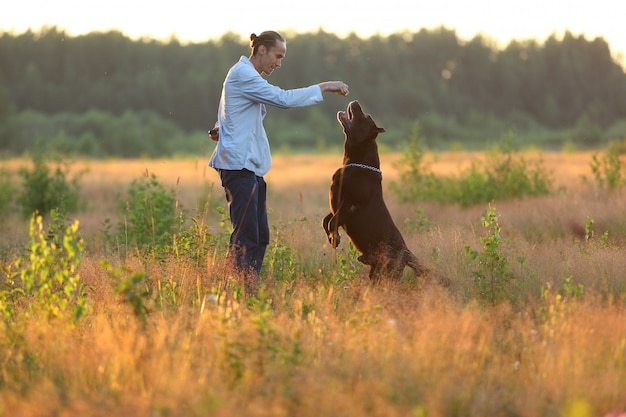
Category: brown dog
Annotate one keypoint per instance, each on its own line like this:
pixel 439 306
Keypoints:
pixel 357 205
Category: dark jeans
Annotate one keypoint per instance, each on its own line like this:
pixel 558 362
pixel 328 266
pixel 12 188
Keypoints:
pixel 246 196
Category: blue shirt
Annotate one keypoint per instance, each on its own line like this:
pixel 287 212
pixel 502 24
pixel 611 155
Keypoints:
pixel 243 142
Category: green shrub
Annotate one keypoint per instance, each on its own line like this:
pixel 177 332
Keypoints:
pixel 281 263
pixel 590 241
pixel 421 224
pixel 6 193
pixel 507 177
pixel 503 176
pixel 149 214
pixel 607 170
pixel 47 279
pixel 133 289
pixel 559 301
pixel 348 266
pixel 45 188
pixel 193 242
pixel 417 181
pixel 492 274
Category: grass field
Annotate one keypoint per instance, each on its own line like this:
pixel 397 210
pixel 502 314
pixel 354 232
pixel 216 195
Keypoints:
pixel 320 340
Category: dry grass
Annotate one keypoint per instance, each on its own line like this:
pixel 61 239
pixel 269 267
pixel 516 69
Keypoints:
pixel 318 346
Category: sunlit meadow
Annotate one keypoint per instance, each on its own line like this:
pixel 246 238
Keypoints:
pixel 320 340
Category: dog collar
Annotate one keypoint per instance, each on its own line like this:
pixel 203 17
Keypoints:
pixel 366 167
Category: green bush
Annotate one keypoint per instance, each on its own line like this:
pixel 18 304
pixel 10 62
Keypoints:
pixel 503 176
pixel 133 290
pixel 281 262
pixel 192 242
pixel 492 274
pixel 607 169
pixel 46 188
pixel 6 193
pixel 149 214
pixel 47 279
pixel 417 181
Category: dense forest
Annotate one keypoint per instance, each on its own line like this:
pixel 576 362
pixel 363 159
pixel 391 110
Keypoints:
pixel 104 94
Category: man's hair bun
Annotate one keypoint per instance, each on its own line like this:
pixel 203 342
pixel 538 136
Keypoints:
pixel 267 38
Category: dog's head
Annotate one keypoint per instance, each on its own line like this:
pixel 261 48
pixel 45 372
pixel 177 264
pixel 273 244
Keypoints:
pixel 358 126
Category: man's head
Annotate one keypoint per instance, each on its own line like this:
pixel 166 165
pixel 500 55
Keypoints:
pixel 268 50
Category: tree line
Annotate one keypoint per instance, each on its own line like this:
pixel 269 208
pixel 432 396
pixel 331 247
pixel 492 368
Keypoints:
pixel 105 94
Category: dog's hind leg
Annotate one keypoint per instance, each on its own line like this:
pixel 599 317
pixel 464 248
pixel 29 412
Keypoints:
pixel 376 272
pixel 365 260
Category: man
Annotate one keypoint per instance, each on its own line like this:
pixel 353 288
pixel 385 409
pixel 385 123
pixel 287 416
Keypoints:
pixel 242 155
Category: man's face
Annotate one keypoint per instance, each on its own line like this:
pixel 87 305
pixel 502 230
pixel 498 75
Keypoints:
pixel 272 58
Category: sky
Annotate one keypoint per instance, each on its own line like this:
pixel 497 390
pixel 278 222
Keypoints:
pixel 201 20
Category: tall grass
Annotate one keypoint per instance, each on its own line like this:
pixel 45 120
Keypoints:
pixel 320 340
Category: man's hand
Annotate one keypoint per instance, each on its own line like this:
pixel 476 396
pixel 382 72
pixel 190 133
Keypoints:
pixel 214 134
pixel 338 87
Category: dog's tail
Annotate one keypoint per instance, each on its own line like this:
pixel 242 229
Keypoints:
pixel 424 272
pixel 413 262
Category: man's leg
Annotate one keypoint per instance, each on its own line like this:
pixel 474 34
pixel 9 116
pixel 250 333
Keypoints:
pixel 242 194
pixel 263 226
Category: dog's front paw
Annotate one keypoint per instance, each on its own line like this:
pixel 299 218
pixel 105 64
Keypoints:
pixel 334 239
